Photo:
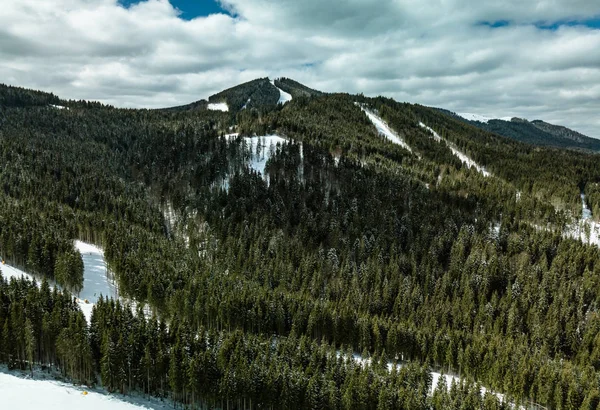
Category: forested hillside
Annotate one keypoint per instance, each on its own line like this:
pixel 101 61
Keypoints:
pixel 264 287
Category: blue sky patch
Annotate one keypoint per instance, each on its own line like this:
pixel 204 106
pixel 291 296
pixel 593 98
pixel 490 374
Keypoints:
pixel 494 24
pixel 189 8
pixel 555 25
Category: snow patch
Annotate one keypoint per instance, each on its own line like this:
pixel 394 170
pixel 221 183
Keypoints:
pixel 283 96
pixel 218 107
pixel 460 155
pixel 586 213
pixel 585 229
pixel 59 107
pixel 481 118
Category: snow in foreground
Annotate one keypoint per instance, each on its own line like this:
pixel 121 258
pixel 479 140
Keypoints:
pixel 481 118
pixel 384 129
pixel 218 107
pixel 283 96
pixel 18 393
pixel 460 155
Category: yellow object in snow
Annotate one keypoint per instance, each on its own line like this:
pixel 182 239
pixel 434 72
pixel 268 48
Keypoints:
pixel 4 263
pixel 85 393
pixel 87 301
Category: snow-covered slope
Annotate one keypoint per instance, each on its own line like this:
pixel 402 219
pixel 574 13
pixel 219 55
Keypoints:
pixel 384 129
pixel 283 96
pixel 17 393
pixel 460 155
pixel 218 107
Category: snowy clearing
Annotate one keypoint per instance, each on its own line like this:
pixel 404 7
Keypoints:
pixel 23 393
pixel 58 107
pixel 384 129
pixel 460 155
pixel 261 149
pixel 218 107
pixel 283 96
pixel 481 118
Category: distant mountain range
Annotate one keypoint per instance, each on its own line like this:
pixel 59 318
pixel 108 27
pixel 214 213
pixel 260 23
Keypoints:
pixel 534 132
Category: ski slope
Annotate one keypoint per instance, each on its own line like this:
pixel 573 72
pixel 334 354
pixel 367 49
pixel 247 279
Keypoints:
pixel 384 129
pixel 457 153
pixel 218 107
pixel 283 96
pixel 18 393
pixel 96 281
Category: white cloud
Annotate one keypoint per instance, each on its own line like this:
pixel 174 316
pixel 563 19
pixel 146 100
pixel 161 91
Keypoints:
pixel 434 52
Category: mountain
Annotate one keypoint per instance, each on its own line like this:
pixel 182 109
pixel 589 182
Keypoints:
pixel 535 132
pixel 315 250
pixel 259 94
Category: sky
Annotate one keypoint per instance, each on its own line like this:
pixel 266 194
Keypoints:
pixel 536 59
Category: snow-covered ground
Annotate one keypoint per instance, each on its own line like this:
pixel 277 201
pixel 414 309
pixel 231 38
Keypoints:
pixel 218 107
pixel 460 155
pixel 384 129
pixel 283 96
pixel 21 393
pixel 58 107
pixel 481 118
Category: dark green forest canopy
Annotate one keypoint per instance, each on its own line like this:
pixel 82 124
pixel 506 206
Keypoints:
pixel 353 244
